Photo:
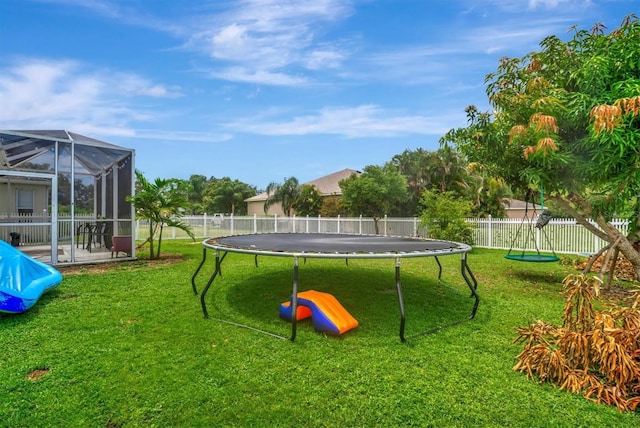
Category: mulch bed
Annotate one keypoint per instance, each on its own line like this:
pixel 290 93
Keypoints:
pixel 624 269
pixel 165 259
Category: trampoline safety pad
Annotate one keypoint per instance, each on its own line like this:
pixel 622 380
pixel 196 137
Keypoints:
pixel 334 245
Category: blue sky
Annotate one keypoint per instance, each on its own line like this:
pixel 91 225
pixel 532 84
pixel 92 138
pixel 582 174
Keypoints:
pixel 260 90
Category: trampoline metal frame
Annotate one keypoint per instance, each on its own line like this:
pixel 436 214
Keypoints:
pixel 222 250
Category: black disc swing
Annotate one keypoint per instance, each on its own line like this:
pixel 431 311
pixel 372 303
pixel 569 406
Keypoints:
pixel 541 222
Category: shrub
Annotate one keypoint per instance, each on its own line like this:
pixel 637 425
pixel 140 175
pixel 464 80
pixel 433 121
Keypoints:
pixel 443 215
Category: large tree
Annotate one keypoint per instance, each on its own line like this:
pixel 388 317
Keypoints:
pixel 377 192
pixel 566 119
pixel 415 166
pixel 227 196
pixel 445 170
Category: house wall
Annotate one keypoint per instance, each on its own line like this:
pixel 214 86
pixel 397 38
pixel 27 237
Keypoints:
pixel 523 213
pixel 257 208
pixel 515 213
pixel 8 196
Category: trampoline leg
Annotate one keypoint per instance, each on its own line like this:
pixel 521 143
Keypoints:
pixel 203 301
pixel 470 279
pixel 193 278
pixel 218 271
pixel 204 258
pixel 220 264
pixel 294 300
pixel 400 300
pixel 439 268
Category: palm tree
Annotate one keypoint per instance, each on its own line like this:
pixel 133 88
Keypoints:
pixel 309 202
pixel 286 194
pixel 198 183
pixel 489 194
pixel 162 203
pixel 416 167
pixel 450 172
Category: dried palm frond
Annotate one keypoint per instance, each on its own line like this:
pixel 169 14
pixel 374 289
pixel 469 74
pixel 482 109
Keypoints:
pixel 579 291
pixel 594 352
pixel 538 332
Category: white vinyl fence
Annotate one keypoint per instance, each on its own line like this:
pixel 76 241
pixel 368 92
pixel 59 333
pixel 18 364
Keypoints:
pixel 207 226
pixel 564 236
pixel 36 229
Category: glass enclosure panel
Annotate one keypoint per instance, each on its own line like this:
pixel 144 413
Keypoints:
pixel 28 154
pixel 92 182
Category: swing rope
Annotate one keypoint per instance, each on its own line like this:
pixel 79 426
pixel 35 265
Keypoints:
pixel 541 221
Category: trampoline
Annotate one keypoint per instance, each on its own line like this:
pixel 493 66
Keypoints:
pixel 333 246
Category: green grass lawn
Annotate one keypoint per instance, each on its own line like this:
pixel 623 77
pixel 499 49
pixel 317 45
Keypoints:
pixel 129 346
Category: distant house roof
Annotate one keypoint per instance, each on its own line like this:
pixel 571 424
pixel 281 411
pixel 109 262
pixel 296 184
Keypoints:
pixel 326 186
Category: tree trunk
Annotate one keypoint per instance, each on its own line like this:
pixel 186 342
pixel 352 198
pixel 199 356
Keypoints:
pixel 624 245
pixel 605 231
pixel 612 270
pixel 157 256
pixel 580 218
pixel 593 258
pixel 150 239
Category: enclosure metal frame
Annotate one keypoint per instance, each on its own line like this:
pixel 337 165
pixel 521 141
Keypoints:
pixel 222 250
pixel 56 138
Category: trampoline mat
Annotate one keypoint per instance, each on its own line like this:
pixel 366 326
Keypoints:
pixel 332 243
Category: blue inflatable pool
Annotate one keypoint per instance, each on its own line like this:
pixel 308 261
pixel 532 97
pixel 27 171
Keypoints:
pixel 23 279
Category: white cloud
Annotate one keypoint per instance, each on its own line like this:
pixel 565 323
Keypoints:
pixel 124 12
pixel 42 89
pixel 364 121
pixel 182 136
pixel 323 59
pixel 424 64
pixel 533 4
pixel 64 94
pixel 134 85
pixel 266 77
pixel 269 38
pixel 230 42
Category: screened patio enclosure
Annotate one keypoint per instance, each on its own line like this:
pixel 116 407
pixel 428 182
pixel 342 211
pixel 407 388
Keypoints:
pixel 63 196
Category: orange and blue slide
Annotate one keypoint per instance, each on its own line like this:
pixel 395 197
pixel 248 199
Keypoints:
pixel 327 314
